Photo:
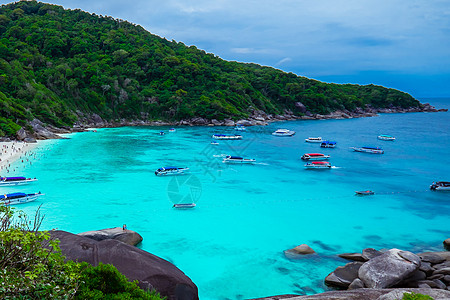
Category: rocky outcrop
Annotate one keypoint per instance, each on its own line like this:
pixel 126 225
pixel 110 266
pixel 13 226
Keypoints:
pixel 388 269
pixel 150 271
pixel 447 244
pixel 126 236
pixel 302 249
pixel 41 132
pixel 367 294
pixel 342 277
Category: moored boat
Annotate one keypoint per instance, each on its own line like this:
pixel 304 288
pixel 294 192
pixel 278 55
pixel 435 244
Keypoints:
pixel 283 132
pixel 18 198
pixel 214 143
pixel 328 144
pixel 238 159
pixel 365 193
pixel 172 130
pixel 184 205
pixel 227 137
pixel 15 180
pixel 170 171
pixel 162 133
pixel 385 137
pixel 318 165
pixel 440 186
pixel 314 140
pixel 314 156
pixel 373 150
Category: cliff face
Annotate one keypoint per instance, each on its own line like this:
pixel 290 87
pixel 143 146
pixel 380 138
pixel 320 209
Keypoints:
pixel 58 65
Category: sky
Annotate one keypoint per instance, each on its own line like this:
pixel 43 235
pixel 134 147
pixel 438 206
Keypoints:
pixel 395 43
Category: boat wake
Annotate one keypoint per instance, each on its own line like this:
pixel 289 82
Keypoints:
pixel 334 167
pixel 261 163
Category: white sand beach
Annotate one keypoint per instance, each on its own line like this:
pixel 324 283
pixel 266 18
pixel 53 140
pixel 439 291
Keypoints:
pixel 13 151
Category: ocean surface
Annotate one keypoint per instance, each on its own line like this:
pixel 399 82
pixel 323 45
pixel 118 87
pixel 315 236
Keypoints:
pixel 231 245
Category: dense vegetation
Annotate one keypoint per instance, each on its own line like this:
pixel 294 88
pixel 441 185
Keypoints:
pixel 55 63
pixel 32 267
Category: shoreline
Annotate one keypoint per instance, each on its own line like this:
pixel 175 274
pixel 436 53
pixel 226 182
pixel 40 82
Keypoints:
pixel 13 151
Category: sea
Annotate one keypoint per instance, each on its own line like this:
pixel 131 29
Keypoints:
pixel 232 243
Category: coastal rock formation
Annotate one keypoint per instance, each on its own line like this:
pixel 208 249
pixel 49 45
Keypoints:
pixel 342 277
pixel 150 271
pixel 126 236
pixel 447 244
pixel 367 294
pixel 41 132
pixel 302 249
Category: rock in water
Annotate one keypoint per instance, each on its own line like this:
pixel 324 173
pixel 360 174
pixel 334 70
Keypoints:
pixel 447 244
pixel 342 277
pixel 299 250
pixel 388 269
pixel 129 237
pixel 150 271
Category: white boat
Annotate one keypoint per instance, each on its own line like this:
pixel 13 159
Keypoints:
pixel 162 133
pixel 365 193
pixel 318 165
pixel 314 156
pixel 240 128
pixel 328 144
pixel 314 140
pixel 238 159
pixel 6 181
pixel 18 198
pixel 283 132
pixel 172 130
pixel 184 205
pixel 227 137
pixel 373 150
pixel 214 143
pixel 385 137
pixel 170 171
pixel 440 186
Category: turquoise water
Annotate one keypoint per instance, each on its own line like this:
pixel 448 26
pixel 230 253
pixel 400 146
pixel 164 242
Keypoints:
pixel 231 245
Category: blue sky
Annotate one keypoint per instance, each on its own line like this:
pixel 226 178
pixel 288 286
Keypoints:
pixel 399 44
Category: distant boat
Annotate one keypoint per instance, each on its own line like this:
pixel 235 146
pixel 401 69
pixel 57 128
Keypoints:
pixel 314 156
pixel 214 143
pixel 172 130
pixel 314 140
pixel 385 137
pixel 240 128
pixel 161 133
pixel 227 137
pixel 318 165
pixel 373 150
pixel 238 159
pixel 328 144
pixel 170 171
pixel 6 181
pixel 283 132
pixel 18 198
pixel 184 205
pixel 440 186
pixel 365 193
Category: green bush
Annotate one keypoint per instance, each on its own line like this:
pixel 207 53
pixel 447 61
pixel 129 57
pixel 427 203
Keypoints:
pixel 415 296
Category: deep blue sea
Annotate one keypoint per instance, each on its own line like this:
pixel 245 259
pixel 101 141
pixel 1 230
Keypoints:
pixel 231 245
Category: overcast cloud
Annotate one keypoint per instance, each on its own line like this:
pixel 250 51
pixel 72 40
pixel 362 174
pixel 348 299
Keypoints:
pixel 399 44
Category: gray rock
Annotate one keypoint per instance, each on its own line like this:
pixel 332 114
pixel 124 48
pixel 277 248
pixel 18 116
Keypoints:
pixel 302 249
pixel 370 253
pixel 447 244
pixel 21 134
pixel 445 264
pixel 149 270
pixel 445 271
pixel 300 107
pixel 413 279
pixel 356 284
pixel 29 140
pixel 353 256
pixel 444 254
pixel 423 286
pixel 342 277
pixel 388 269
pixel 447 279
pixel 436 276
pixel 440 284
pixel 229 122
pixel 126 236
pixel 432 258
pixel 426 267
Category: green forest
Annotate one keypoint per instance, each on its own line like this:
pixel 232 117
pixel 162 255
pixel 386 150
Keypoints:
pixel 55 63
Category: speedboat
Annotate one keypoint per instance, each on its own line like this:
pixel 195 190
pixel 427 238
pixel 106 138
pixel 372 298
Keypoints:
pixel 364 193
pixel 184 205
pixel 315 156
pixel 161 133
pixel 283 132
pixel 214 143
pixel 385 137
pixel 318 165
pixel 238 159
pixel 170 171
pixel 328 144
pixel 227 137
pixel 172 130
pixel 15 180
pixel 240 128
pixel 314 140
pixel 18 198
pixel 373 150
pixel 440 186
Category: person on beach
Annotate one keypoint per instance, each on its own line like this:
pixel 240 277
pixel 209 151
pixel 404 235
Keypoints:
pixel 124 227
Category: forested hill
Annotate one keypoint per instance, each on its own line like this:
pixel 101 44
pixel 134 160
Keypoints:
pixel 55 63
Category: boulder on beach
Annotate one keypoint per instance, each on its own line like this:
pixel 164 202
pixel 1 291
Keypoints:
pixel 342 277
pixel 126 236
pixel 150 271
pixel 388 269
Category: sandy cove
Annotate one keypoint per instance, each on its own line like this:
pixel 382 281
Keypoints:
pixel 13 151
